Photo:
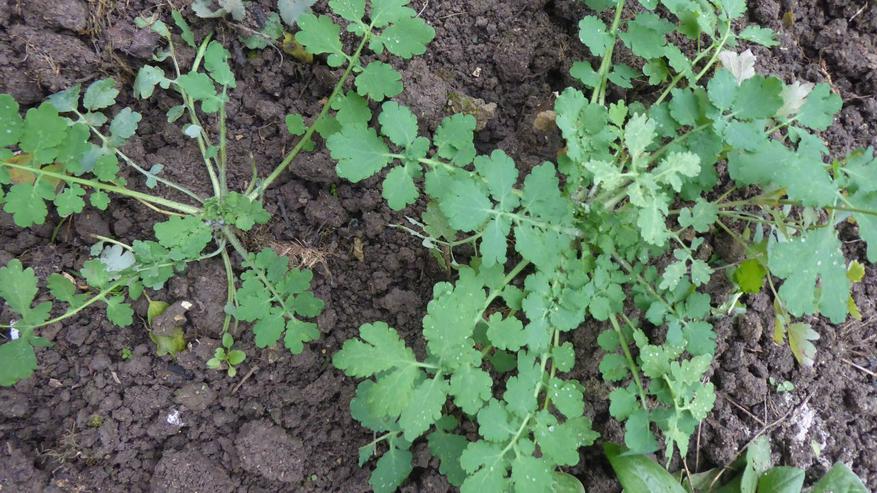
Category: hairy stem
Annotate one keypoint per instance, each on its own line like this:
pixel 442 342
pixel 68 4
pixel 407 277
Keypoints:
pixel 94 299
pixel 140 169
pixel 631 363
pixel 184 208
pixel 259 190
pixel 716 48
pixel 231 297
pixel 599 94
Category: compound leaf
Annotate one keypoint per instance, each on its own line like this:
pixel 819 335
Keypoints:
pixel 594 35
pixel 391 470
pixel 100 94
pixel 380 349
pixel 814 271
pixel 820 107
pixel 319 34
pixel 17 362
pixel 407 37
pixel 471 387
pixel 359 151
pixel 424 408
pixel 399 189
pixel 398 123
pixel 453 138
pixel 379 81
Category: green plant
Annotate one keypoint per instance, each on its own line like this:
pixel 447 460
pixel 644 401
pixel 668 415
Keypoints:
pixel 781 387
pixel 63 150
pixel 751 473
pixel 288 12
pixel 225 356
pixel 613 232
pixel 126 353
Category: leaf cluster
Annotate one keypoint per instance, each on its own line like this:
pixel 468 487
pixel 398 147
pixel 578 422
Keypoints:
pixel 535 425
pixel 67 148
pixel 615 231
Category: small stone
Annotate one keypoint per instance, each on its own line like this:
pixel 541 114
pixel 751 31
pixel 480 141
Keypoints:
pixel 99 362
pixel 13 404
pixel 267 450
pixel 480 109
pixel 89 224
pixel 750 328
pixel 545 121
pixel 188 471
pixel 195 396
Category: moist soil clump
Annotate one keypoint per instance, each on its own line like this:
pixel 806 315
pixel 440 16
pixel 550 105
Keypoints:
pixel 93 420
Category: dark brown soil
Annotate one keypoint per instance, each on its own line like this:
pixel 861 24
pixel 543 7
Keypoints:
pixel 91 421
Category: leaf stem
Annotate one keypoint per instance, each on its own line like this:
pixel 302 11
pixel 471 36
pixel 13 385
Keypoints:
pixel 259 190
pixel 184 208
pixel 140 169
pixel 599 94
pixel 631 363
pixel 494 293
pixel 69 313
pixel 202 139
pixel 555 344
pixel 718 48
pixel 114 242
pixel 231 295
pixel 223 144
pixel 766 200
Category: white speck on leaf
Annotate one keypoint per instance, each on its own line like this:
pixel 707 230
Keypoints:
pixel 741 65
pixel 794 95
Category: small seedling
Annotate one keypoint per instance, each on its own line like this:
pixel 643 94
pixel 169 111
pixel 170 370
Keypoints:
pixel 95 421
pixel 227 358
pixel 781 387
pixel 126 353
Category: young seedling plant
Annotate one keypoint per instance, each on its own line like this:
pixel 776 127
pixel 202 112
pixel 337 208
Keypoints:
pixel 614 232
pixel 68 150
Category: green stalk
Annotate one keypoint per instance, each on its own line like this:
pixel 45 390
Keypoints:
pixel 184 208
pixel 203 139
pixel 310 131
pixel 631 363
pixel 203 143
pixel 599 94
pixel 555 344
pixel 498 291
pixel 231 294
pixel 112 241
pixel 239 248
pixel 140 169
pixel 223 150
pixel 716 48
pixel 762 200
pixel 434 163
pixel 98 297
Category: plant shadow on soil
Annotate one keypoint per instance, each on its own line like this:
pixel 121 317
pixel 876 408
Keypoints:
pixel 90 420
